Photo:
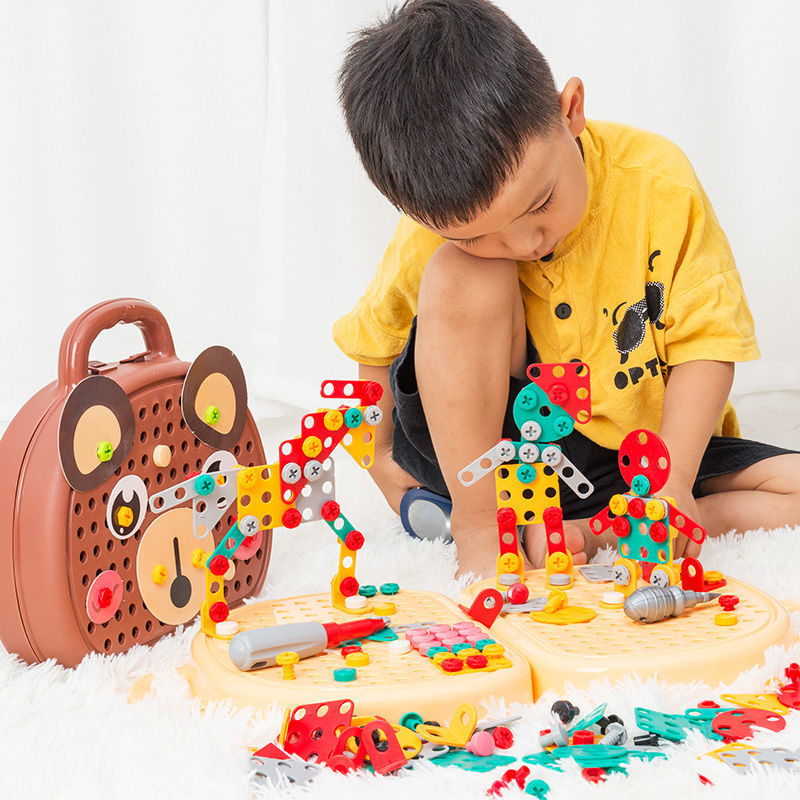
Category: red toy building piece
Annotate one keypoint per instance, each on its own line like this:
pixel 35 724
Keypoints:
pixel 687 526
pixel 271 750
pixel 507 531
pixel 485 607
pixel 338 761
pixel 728 602
pixel 789 695
pixel 554 530
pixel 383 760
pixel 644 453
pixel 738 723
pixel 602 521
pixel 366 393
pixel 567 385
pixel 691 575
pixel 312 730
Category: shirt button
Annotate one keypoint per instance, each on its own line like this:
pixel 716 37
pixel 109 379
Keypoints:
pixel 563 310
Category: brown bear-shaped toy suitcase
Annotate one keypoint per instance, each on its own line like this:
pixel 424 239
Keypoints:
pixel 85 563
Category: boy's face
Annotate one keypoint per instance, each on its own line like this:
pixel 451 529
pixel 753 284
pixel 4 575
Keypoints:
pixel 542 202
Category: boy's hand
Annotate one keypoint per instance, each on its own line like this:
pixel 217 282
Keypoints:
pixel 392 479
pixel 684 501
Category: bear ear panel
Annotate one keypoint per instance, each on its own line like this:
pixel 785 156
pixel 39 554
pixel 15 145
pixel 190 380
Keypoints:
pixel 95 432
pixel 214 398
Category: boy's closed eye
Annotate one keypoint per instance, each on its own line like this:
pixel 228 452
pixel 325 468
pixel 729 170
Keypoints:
pixel 538 210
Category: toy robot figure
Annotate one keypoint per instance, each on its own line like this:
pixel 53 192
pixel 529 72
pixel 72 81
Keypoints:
pixel 545 411
pixel 646 525
pixel 298 488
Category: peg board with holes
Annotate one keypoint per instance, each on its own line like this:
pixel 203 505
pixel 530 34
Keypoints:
pixel 686 648
pixel 80 547
pixel 390 685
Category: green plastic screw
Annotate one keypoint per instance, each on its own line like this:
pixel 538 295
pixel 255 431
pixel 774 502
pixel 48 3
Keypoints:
pixel 212 415
pixel 640 485
pixel 105 450
pixel 204 484
pixel 563 425
pixel 353 417
pixel 526 473
pixel 528 400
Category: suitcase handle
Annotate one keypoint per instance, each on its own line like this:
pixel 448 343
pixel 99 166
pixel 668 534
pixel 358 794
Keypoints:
pixel 73 355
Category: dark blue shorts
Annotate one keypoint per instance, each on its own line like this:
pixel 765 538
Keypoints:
pixel 412 447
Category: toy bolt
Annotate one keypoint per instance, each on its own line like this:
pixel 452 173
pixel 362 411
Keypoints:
pixel 604 722
pixel 556 735
pixel 287 661
pixel 615 734
pixel 565 711
pixel 212 415
pixel 105 451
pixel 646 740
pixel 793 673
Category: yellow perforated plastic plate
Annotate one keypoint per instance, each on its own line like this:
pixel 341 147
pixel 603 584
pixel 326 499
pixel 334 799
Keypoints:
pixel 389 686
pixel 682 649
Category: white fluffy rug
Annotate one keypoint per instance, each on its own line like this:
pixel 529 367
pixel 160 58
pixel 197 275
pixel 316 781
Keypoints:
pixel 72 733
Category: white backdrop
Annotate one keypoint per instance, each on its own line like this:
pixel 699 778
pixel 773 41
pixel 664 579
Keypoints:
pixel 192 152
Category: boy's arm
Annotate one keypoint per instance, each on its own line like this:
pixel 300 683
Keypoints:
pixel 694 398
pixel 392 479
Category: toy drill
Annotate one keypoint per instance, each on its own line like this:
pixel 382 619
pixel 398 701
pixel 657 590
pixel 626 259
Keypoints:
pixel 654 603
pixel 646 525
pixel 545 411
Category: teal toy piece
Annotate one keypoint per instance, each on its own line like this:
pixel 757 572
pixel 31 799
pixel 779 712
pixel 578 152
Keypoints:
pixel 603 756
pixel 674 727
pixel 537 788
pixel 465 760
pixel 542 760
pixel 533 405
pixel 590 719
pixel 385 635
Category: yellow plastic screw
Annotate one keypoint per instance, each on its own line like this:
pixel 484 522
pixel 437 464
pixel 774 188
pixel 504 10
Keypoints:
pixel 312 446
pixel 333 420
pixel 159 574
pixel 124 516
pixel 655 510
pixel 509 562
pixel 287 661
pixel 212 415
pixel 618 505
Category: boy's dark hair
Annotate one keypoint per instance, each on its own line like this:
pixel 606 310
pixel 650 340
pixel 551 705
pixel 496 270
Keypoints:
pixel 441 99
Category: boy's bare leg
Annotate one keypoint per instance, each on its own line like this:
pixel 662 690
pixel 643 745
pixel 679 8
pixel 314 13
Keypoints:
pixel 470 336
pixel 764 495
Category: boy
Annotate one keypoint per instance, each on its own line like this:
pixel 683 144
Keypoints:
pixel 531 234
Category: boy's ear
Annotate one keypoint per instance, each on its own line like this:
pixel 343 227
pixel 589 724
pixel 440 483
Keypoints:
pixel 572 106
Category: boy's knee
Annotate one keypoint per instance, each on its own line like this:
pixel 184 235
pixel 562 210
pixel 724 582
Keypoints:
pixel 456 284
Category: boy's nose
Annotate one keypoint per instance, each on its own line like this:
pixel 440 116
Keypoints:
pixel 523 241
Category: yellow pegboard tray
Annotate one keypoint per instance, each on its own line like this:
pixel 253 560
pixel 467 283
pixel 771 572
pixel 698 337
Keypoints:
pixel 686 648
pixel 389 686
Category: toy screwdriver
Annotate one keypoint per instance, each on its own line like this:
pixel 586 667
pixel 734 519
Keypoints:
pixel 259 648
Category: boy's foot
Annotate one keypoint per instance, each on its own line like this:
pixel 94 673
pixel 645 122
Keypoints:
pixel 576 534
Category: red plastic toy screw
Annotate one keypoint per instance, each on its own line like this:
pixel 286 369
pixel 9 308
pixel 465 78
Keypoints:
pixel 621 527
pixel 503 738
pixel 350 648
pixel 552 515
pixel 348 587
pixel 218 612
pixel 728 601
pixel 354 540
pixel 104 597
pixel 659 532
pixel 636 507
pixel 330 510
pixel 291 518
pixel 792 671
pixel 218 565
pixel 594 774
pixel 372 392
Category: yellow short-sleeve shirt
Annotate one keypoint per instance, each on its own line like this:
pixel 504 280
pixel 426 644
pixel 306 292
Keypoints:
pixel 645 282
